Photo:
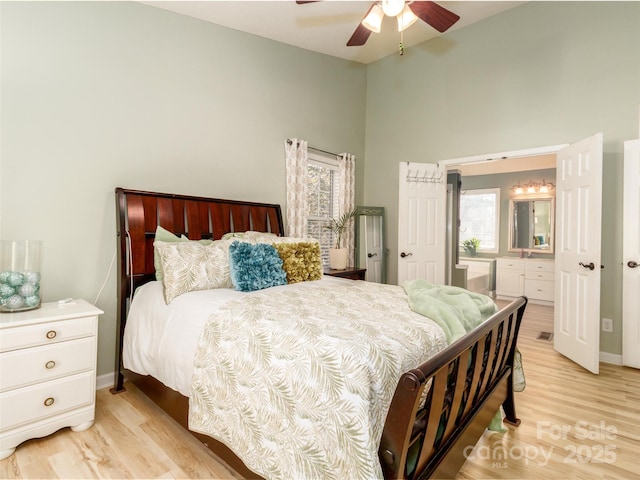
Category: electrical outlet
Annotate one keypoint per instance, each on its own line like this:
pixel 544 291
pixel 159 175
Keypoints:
pixel 607 325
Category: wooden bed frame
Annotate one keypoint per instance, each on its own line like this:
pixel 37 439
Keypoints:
pixel 424 435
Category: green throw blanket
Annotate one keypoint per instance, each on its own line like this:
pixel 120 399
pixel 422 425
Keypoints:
pixel 458 311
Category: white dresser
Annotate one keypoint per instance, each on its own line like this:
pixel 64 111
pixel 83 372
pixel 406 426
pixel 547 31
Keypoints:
pixel 47 371
pixel 525 276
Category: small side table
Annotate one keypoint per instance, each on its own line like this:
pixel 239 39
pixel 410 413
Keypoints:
pixel 48 371
pixel 352 273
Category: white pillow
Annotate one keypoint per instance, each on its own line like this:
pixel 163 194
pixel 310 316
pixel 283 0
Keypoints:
pixel 189 266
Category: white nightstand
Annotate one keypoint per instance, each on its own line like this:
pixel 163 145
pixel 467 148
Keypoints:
pixel 47 371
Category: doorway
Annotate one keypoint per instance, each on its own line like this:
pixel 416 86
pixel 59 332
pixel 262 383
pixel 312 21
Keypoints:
pixel 578 243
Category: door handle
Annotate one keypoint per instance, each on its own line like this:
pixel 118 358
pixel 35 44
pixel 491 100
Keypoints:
pixel 632 264
pixel 371 255
pixel 406 254
pixel 590 266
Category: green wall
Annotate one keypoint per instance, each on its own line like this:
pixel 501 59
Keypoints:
pixel 103 94
pixel 96 95
pixel 543 73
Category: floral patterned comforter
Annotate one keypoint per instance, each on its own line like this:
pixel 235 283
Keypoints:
pixel 298 383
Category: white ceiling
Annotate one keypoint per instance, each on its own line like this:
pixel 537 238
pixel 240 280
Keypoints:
pixel 326 26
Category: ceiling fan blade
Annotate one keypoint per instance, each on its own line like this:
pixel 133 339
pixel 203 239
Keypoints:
pixel 438 17
pixel 359 37
pixel 361 33
pixel 309 1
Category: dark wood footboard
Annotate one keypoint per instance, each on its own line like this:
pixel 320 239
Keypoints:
pixel 440 409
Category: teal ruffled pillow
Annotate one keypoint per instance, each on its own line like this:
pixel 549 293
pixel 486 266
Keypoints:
pixel 254 267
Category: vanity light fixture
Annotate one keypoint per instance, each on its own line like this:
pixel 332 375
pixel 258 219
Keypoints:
pixel 533 187
pixel 546 187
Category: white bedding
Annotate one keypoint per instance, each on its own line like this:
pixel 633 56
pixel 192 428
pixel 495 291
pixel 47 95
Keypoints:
pixel 160 340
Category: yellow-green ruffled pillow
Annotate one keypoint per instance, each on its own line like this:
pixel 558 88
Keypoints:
pixel 301 261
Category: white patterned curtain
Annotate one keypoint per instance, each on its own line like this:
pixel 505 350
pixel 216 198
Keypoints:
pixel 347 198
pixel 296 174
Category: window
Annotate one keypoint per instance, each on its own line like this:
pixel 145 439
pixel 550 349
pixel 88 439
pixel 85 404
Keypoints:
pixel 323 185
pixel 480 217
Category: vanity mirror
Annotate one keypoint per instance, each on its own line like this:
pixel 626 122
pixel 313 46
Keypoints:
pixel 531 225
pixel 370 251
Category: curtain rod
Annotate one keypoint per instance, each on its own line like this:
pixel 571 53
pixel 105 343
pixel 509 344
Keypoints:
pixel 289 142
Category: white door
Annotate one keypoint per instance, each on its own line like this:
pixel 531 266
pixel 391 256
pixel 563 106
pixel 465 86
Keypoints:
pixel 421 222
pixel 372 226
pixel 578 245
pixel 631 256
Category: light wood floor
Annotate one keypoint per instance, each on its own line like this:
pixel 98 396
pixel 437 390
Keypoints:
pixel 574 425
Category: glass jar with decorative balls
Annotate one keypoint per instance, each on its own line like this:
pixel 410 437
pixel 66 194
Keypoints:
pixel 20 275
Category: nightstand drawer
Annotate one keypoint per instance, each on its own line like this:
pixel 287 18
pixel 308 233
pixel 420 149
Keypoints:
pixel 43 400
pixel 46 333
pixel 26 366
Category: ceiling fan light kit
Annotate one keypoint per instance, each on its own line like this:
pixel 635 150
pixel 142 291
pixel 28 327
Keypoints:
pixel 392 8
pixel 406 13
pixel 406 18
pixel 373 19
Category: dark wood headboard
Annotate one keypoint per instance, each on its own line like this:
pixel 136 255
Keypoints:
pixel 138 215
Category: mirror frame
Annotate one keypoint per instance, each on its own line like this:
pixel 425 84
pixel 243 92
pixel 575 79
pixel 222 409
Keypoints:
pixel 370 212
pixel 552 221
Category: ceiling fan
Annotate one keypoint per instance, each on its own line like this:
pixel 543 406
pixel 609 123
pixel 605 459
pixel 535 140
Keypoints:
pixel 407 13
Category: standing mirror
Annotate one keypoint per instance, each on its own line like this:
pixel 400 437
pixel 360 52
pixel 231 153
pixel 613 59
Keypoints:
pixel 370 251
pixel 531 222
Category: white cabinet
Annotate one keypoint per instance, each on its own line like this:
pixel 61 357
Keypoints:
pixel 509 277
pixel 525 276
pixel 47 371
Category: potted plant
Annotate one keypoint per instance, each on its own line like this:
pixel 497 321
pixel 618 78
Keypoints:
pixel 338 255
pixel 471 245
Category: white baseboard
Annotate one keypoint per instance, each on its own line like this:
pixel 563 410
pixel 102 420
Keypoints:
pixel 104 381
pixel 613 358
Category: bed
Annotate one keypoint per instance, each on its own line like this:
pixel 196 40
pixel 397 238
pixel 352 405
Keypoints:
pixel 424 421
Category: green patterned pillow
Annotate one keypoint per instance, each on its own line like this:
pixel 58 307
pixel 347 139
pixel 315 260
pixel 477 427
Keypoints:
pixel 164 235
pixel 301 260
pixel 193 265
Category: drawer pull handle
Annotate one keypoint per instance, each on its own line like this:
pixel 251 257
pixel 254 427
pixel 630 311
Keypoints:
pixel 50 364
pixel 48 402
pixel 51 334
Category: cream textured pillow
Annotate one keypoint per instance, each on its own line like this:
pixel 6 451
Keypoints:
pixel 190 266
